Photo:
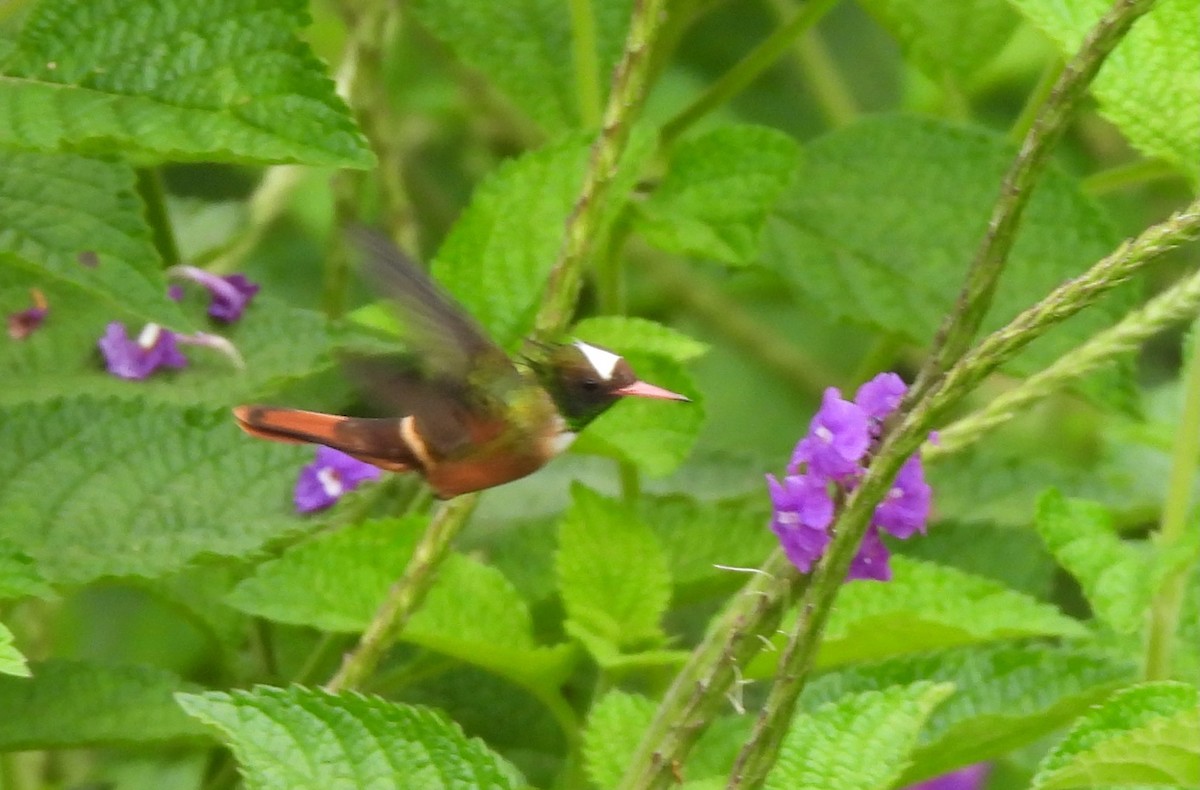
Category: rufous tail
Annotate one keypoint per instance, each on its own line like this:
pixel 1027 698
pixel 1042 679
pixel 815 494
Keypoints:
pixel 375 441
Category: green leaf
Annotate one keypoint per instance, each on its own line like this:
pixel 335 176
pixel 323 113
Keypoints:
pixel 927 606
pixel 175 80
pixel 886 214
pixel 614 727
pixel 1119 578
pixel 496 258
pixel 944 38
pixel 277 342
pixel 336 581
pixel 524 47
pixel 11 660
pixel 93 488
pixel 19 575
pixel 859 742
pixel 74 703
pixel 625 333
pixel 1008 695
pixel 1148 86
pixel 1147 734
pixel 717 192
pixel 298 738
pixel 612 573
pixel 54 208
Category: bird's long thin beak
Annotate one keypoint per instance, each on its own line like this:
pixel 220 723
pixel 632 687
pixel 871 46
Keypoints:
pixel 641 389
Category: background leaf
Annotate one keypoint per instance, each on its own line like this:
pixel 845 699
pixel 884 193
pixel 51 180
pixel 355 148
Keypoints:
pixel 1147 734
pixel 1148 86
pixel 174 80
pixel 861 740
pixel 74 703
pixel 299 738
pixel 717 191
pixel 947 38
pixel 11 660
pixel 615 726
pixel 93 488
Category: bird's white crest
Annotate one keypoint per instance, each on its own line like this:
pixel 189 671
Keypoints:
pixel 603 362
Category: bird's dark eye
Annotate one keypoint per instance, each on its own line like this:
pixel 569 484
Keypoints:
pixel 591 385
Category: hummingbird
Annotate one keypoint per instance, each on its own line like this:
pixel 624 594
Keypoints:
pixel 468 417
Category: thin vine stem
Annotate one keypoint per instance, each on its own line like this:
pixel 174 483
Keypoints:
pixel 961 324
pixel 1168 600
pixel 154 197
pixel 587 62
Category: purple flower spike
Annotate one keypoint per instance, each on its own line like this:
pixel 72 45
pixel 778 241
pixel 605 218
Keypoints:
pixel 230 294
pixel 801 513
pixel 837 439
pixel 24 323
pixel 970 778
pixel 905 509
pixel 136 359
pixel 332 474
pixel 871 561
pixel 880 396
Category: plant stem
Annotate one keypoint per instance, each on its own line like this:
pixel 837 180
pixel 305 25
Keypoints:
pixel 960 326
pixel 587 63
pixel 699 689
pixel 1035 101
pixel 264 206
pixel 154 197
pixel 583 226
pixel 758 60
pixel 758 341
pixel 1132 174
pixel 1164 610
pixel 817 67
pixel 1178 303
pixel 405 595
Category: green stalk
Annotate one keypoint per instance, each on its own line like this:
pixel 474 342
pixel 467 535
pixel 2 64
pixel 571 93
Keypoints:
pixel 1133 174
pixel 761 751
pixel 961 324
pixel 1164 610
pixel 587 63
pixel 833 97
pixel 758 60
pixel 1178 303
pixel 628 92
pixel 405 595
pixel 154 197
pixel 1035 101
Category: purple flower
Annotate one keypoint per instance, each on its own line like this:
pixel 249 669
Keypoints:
pixel 175 293
pixel 332 474
pixel 136 359
pixel 970 778
pixel 230 294
pixel 24 323
pixel 801 513
pixel 905 509
pixel 837 439
pixel 871 561
pixel 880 396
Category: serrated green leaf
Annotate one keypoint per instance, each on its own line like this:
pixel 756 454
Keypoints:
pixel 717 192
pixel 614 727
pixel 625 334
pixel 1008 695
pixel 225 81
pixel 298 738
pixel 336 582
pixel 523 47
pixel 886 214
pixel 699 536
pixel 277 342
pixel 55 207
pixel 93 488
pixel 1118 577
pixel 1147 734
pixel 654 435
pixel 612 574
pixel 19 576
pixel 75 703
pixel 947 37
pixel 1148 86
pixel 11 660
pixel 859 742
pixel 926 607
